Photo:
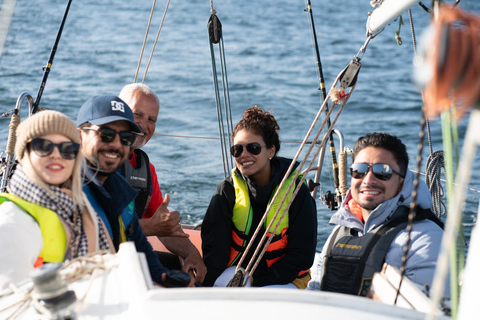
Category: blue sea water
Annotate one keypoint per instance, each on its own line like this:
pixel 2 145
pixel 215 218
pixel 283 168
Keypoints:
pixel 270 63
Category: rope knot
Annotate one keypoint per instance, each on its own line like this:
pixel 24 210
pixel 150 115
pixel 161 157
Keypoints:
pixel 338 95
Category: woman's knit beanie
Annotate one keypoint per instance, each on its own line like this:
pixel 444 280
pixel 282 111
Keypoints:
pixel 41 124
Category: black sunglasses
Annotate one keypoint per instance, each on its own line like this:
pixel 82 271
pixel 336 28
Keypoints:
pixel 381 171
pixel 43 147
pixel 107 135
pixel 254 148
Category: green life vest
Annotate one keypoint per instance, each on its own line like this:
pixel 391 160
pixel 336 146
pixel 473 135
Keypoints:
pixel 242 218
pixel 53 232
pixel 242 210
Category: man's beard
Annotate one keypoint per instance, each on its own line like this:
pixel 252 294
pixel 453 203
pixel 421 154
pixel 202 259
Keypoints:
pixel 94 164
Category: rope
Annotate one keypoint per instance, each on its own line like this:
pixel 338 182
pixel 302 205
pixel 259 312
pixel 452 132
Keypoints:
pixel 257 256
pixel 435 163
pixel 414 43
pixel 70 272
pixel 282 141
pixel 224 113
pixel 144 40
pixel 342 173
pixel 213 11
pixel 12 139
pixel 155 43
pixel 412 214
pixel 397 33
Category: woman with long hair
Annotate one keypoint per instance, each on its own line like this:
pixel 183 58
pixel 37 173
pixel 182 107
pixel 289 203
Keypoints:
pixel 240 202
pixel 45 217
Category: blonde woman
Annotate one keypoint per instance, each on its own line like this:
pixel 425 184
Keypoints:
pixel 45 217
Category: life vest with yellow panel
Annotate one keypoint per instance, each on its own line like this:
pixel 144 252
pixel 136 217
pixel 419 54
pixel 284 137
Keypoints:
pixel 124 219
pixel 243 216
pixel 51 226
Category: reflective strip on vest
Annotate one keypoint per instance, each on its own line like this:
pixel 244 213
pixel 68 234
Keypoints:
pixel 53 232
pixel 243 215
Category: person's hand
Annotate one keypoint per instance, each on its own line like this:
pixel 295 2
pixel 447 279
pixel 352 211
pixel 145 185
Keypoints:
pixel 163 223
pixel 191 284
pixel 194 265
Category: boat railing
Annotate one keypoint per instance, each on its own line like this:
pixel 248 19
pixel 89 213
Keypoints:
pixel 342 172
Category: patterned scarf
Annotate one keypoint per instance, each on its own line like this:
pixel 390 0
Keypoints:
pixel 60 203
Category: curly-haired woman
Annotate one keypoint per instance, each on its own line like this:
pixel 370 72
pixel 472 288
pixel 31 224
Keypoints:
pixel 240 202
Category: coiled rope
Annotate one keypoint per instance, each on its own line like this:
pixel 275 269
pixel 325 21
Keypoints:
pixel 435 163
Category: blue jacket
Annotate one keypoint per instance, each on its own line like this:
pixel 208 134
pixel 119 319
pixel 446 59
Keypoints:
pixel 114 196
pixel 425 242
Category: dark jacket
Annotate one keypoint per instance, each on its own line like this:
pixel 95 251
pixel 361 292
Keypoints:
pixel 114 196
pixel 302 232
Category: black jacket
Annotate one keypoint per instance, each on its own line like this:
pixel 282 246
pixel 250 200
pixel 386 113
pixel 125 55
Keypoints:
pixel 302 232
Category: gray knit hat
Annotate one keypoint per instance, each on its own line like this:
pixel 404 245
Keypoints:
pixel 41 124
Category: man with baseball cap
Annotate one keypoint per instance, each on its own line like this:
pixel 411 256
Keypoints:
pixel 107 131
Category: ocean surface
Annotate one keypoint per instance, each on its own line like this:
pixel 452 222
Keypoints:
pixel 270 63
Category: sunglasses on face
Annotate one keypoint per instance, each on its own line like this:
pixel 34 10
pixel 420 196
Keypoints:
pixel 381 171
pixel 254 148
pixel 43 147
pixel 107 135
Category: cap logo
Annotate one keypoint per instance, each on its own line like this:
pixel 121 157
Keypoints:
pixel 117 106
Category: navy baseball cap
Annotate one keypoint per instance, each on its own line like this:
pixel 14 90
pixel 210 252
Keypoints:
pixel 105 109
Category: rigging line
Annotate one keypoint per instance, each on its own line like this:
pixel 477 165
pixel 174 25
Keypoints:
pixel 323 95
pixel 454 183
pixel 225 125
pixel 226 100
pixel 300 167
pixel 155 43
pixel 213 138
pixel 337 100
pixel 46 69
pixel 434 166
pixel 414 43
pixel 219 112
pixel 287 174
pixel 145 40
pixel 226 95
pixel 412 213
pixel 213 11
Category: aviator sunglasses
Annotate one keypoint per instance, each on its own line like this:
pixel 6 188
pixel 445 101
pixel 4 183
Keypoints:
pixel 43 147
pixel 254 148
pixel 107 135
pixel 381 171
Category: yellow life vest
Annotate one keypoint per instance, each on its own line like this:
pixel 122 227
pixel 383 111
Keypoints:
pixel 53 232
pixel 243 215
